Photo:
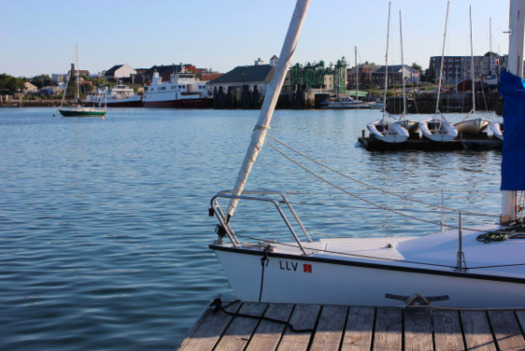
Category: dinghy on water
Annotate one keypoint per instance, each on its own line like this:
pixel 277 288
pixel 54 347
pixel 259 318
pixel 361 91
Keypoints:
pixel 385 129
pixel 438 128
pixel 474 267
pixel 471 125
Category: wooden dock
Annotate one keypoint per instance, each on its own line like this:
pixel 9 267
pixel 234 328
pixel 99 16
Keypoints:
pixel 330 327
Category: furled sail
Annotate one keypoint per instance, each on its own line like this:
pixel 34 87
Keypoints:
pixel 270 100
pixel 512 89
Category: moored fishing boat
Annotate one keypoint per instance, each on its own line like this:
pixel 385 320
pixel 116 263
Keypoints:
pixel 181 91
pixel 344 103
pixel 463 267
pixel 117 96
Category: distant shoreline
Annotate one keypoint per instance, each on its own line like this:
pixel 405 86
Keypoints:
pixel 36 103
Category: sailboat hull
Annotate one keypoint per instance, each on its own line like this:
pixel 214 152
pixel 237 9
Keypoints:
pixel 82 112
pixel 474 126
pixel 318 279
pixel 497 129
pixel 388 132
pixel 439 131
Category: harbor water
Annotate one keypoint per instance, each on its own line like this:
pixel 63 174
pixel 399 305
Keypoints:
pixel 104 226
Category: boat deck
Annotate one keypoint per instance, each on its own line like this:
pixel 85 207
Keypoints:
pixel 331 327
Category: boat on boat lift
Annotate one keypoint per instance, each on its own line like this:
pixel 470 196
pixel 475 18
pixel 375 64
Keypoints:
pixel 463 267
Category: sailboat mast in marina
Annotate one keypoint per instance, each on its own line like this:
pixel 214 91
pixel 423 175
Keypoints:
pixel 385 130
pixel 475 267
pixel 470 124
pixel 437 128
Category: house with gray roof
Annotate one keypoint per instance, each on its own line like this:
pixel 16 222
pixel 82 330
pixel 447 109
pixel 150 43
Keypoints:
pixel 254 79
pixel 119 72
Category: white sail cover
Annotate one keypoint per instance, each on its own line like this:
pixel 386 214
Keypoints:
pixel 270 100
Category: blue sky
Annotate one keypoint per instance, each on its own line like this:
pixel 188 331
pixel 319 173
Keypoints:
pixel 40 36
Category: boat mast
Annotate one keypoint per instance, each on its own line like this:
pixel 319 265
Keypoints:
pixel 386 61
pixel 490 46
pixel 442 62
pixel 402 67
pixel 76 78
pixel 356 76
pixel 270 100
pixel 472 65
pixel 515 66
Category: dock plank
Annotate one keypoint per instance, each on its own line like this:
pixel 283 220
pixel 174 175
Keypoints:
pixel 330 327
pixel 359 329
pixel 388 329
pixel 506 330
pixel 447 330
pixel 476 329
pixel 521 319
pixel 418 330
pixel 206 334
pixel 303 317
pixel 329 331
pixel 241 328
pixel 269 333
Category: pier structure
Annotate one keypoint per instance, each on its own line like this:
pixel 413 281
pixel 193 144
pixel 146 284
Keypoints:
pixel 297 327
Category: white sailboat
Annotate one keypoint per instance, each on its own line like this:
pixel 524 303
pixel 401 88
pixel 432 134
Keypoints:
pixel 470 124
pixel 386 129
pixel 79 110
pixel 437 128
pixel 455 268
pixel 411 126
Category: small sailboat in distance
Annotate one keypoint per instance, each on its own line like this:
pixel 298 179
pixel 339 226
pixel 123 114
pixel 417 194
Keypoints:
pixel 437 128
pixel 78 110
pixel 385 129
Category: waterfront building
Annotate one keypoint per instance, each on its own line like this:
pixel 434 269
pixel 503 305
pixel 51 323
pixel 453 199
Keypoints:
pixel 119 72
pixel 457 68
pixel 253 80
pixel 371 75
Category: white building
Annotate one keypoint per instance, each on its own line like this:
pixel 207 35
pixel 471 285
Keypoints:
pixel 119 71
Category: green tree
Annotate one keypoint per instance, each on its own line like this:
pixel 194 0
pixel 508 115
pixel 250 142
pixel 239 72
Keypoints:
pixel 488 53
pixel 10 85
pixel 42 80
pixel 417 67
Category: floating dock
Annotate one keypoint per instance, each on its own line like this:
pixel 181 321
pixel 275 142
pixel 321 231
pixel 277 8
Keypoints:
pixel 480 144
pixel 331 327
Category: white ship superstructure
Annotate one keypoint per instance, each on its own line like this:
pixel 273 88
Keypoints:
pixel 182 90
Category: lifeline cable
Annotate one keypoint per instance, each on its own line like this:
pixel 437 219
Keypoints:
pixel 384 208
pixel 374 187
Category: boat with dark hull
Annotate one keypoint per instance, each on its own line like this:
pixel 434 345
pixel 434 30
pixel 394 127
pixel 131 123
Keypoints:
pixel 79 110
